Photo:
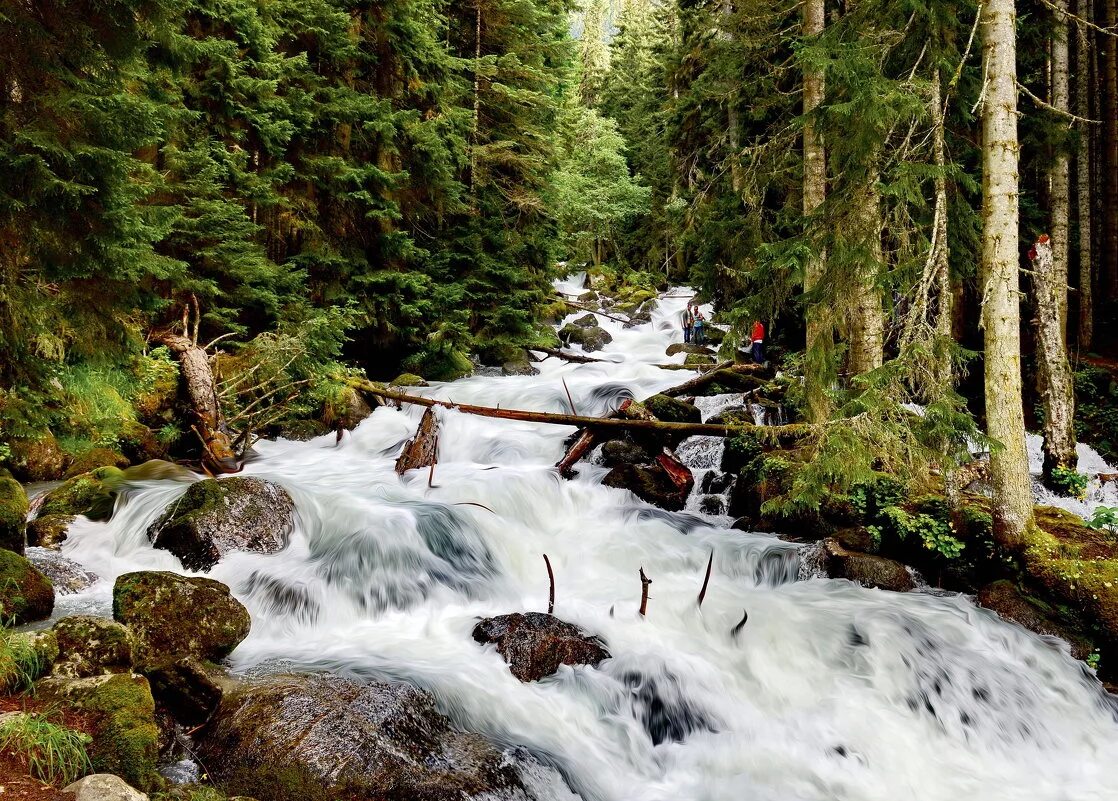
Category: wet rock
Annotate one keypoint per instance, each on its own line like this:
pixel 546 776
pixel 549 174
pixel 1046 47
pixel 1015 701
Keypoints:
pixel 586 321
pixel 869 571
pixel 408 380
pixel 36 458
pixel 104 787
pixel 172 617
pixel 856 538
pixel 189 688
pixel 519 367
pixel 320 738
pixel 49 531
pixel 92 494
pixel 215 517
pixel 66 575
pixel 26 595
pixel 649 483
pixel 688 347
pixel 663 709
pixel 346 410
pixel 621 451
pixel 121 713
pixel 14 507
pixel 698 360
pixel 589 296
pixel 591 338
pixel 1011 604
pixel 673 410
pixel 712 505
pixel 715 483
pixel 91 646
pixel 94 458
pixel 536 644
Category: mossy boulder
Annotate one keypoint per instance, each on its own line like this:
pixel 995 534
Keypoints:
pixel 346 408
pixel 534 644
pixel 688 347
pixel 49 531
pixel 24 658
pixel 408 380
pixel 121 712
pixel 91 646
pixel 867 570
pixel 92 494
pixel 591 338
pixel 519 367
pixel 26 595
pixel 189 688
pixel 650 483
pixel 321 738
pixel 1010 603
pixel 38 458
pixel 698 359
pixel 172 617
pixel 673 410
pixel 622 451
pixel 216 517
pixel 94 458
pixel 13 514
pixel 443 365
pixel 105 787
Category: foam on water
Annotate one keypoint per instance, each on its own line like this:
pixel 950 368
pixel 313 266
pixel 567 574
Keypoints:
pixel 828 691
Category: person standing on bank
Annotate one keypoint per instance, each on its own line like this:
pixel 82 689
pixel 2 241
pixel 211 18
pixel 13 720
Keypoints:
pixel 758 337
pixel 700 329
pixel 688 322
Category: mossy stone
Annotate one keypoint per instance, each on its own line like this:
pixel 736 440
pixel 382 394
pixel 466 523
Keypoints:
pixel 91 494
pixel 94 458
pixel 13 514
pixel 408 380
pixel 91 646
pixel 38 458
pixel 26 595
pixel 687 347
pixel 122 713
pixel 673 410
pixel 49 531
pixel 698 359
pixel 172 617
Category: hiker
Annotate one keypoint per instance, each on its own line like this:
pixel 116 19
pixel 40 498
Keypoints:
pixel 688 322
pixel 700 332
pixel 758 337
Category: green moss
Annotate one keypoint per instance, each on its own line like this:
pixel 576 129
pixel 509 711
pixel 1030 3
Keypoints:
pixel 446 365
pixel 36 458
pixel 94 458
pixel 26 595
pixel 91 494
pixel 672 410
pixel 49 531
pixel 740 452
pixel 408 380
pixel 697 359
pixel 13 514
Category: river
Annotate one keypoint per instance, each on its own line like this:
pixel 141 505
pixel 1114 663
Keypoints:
pixel 829 691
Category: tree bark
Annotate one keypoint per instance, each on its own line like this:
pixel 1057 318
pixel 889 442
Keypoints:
pixel 820 342
pixel 201 391
pixel 941 256
pixel 1057 390
pixel 422 450
pixel 867 330
pixel 577 358
pixel 1059 185
pixel 1110 144
pixel 1083 174
pixel 1001 310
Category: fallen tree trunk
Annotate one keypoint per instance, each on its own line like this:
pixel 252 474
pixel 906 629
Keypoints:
pixel 422 450
pixel 677 471
pixel 201 391
pixel 581 446
pixel 593 310
pixel 698 381
pixel 570 357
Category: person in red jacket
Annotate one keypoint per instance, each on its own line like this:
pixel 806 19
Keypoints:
pixel 758 337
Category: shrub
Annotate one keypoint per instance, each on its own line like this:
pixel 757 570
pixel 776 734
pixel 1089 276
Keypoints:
pixel 1068 481
pixel 53 753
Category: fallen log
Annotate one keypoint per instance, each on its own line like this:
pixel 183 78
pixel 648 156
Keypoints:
pixel 593 310
pixel 570 357
pixel 422 449
pixel 698 381
pixel 579 421
pixel 201 391
pixel 677 471
pixel 578 449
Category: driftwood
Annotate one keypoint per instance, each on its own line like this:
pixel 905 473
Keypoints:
pixel 550 586
pixel 706 580
pixel 201 391
pixel 579 448
pixel 593 310
pixel 422 449
pixel 677 471
pixel 645 581
pixel 567 356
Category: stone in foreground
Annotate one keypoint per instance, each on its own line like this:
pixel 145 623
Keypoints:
pixel 867 570
pixel 536 644
pixel 104 787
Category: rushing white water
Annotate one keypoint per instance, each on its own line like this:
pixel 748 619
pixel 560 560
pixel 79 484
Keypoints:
pixel 829 691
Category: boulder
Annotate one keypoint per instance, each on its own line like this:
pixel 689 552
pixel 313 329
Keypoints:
pixel 712 505
pixel 38 458
pixel 591 338
pixel 1011 604
pixel 673 410
pixel 320 738
pixel 189 689
pixel 346 409
pixel 92 494
pixel 91 646
pixel 120 711
pixel 867 570
pixel 650 483
pixel 13 513
pixel 49 531
pixel 408 380
pixel 589 296
pixel 586 321
pixel 215 517
pixel 94 458
pixel 172 617
pixel 67 576
pixel 621 451
pixel 535 644
pixel 519 367
pixel 104 787
pixel 698 359
pixel 688 347
pixel 26 595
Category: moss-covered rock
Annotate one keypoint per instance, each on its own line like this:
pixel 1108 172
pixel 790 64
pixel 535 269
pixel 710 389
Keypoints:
pixel 94 458
pixel 91 494
pixel 26 595
pixel 25 657
pixel 1005 598
pixel 216 517
pixel 673 410
pixel 519 367
pixel 408 380
pixel 13 514
pixel 91 646
pixel 37 458
pixel 172 617
pixel 189 688
pixel 447 365
pixel 591 338
pixel 650 483
pixel 688 347
pixel 49 531
pixel 121 712
pixel 867 570
pixel 346 408
pixel 622 451
pixel 698 359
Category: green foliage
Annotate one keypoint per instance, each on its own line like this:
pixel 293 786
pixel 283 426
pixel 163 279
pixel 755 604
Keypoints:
pixel 934 532
pixel 1105 518
pixel 53 753
pixel 23 659
pixel 1068 481
pixel 1096 410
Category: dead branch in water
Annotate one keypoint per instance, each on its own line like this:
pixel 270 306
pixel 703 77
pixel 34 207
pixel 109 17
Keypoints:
pixel 706 579
pixel 736 630
pixel 422 449
pixel 551 586
pixel 645 581
pixel 567 356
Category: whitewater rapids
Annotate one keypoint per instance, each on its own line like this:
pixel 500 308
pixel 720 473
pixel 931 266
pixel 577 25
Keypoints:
pixel 829 691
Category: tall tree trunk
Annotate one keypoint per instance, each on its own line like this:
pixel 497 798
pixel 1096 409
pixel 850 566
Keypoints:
pixel 1056 381
pixel 1110 143
pixel 732 123
pixel 941 254
pixel 867 330
pixel 1083 175
pixel 819 336
pixel 1001 306
pixel 1059 185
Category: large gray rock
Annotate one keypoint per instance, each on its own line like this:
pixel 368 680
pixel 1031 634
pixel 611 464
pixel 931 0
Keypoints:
pixel 535 644
pixel 216 517
pixel 172 617
pixel 314 738
pixel 591 338
pixel 91 646
pixel 104 787
pixel 67 576
pixel 867 570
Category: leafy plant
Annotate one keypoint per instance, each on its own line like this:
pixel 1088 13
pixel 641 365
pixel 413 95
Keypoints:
pixel 53 753
pixel 1105 518
pixel 935 533
pixel 21 663
pixel 1068 481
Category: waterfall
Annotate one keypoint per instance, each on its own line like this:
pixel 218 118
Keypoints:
pixel 829 690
